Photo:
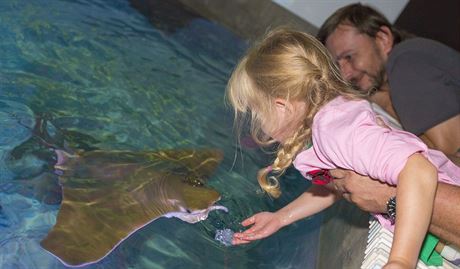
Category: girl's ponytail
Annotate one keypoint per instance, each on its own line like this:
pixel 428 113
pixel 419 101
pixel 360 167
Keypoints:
pixel 269 183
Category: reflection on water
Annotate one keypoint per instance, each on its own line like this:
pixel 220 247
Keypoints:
pixel 99 68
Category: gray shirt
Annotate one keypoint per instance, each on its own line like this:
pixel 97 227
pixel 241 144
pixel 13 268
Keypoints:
pixel 424 79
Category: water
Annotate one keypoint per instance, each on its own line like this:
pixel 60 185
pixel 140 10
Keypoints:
pixel 102 69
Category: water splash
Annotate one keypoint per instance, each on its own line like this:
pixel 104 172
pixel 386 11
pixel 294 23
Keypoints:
pixel 225 236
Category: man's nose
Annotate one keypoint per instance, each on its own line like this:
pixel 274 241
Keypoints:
pixel 346 70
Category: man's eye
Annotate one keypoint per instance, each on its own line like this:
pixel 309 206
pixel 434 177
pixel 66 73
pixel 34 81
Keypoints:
pixel 348 57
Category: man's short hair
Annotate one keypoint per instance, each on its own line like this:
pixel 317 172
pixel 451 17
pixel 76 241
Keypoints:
pixel 366 20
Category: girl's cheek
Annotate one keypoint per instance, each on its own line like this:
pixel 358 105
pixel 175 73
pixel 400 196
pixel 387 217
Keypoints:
pixel 280 136
pixel 269 130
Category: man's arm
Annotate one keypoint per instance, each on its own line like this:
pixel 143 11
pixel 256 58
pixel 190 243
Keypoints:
pixel 445 136
pixel 371 196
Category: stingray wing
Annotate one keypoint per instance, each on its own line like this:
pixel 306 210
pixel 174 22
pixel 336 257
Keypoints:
pixel 101 210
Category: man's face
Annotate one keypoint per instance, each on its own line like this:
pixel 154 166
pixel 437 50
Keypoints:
pixel 361 60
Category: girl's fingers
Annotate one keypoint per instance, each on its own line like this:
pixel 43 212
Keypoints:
pixel 253 236
pixel 238 241
pixel 244 237
pixel 248 234
pixel 248 221
pixel 244 234
pixel 254 233
pixel 251 230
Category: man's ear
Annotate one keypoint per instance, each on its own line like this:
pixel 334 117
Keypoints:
pixel 384 39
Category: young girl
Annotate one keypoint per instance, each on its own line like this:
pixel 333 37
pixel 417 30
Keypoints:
pixel 292 91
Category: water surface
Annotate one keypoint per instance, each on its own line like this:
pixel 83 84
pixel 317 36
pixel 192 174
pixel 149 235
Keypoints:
pixel 102 69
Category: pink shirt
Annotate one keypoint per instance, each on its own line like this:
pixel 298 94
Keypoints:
pixel 346 135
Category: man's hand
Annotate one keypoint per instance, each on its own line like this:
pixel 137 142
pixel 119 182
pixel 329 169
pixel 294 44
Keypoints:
pixel 368 194
pixel 371 196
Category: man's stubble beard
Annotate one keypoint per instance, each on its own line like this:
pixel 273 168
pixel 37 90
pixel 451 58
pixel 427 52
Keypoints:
pixel 377 81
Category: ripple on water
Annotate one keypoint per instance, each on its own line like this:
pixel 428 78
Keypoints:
pixel 99 67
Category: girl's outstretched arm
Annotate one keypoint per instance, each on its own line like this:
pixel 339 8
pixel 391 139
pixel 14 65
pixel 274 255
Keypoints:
pixel 415 197
pixel 264 224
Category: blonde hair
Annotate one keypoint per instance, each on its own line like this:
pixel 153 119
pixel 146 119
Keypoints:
pixel 291 65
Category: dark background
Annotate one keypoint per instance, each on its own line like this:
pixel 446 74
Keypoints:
pixel 438 20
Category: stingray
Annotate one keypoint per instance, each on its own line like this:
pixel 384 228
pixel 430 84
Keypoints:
pixel 109 195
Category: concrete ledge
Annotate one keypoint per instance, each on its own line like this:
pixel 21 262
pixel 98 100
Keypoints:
pixel 249 19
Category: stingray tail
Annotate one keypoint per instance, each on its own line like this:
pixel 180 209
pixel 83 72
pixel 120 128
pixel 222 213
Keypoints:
pixel 42 134
pixel 39 131
pixel 48 145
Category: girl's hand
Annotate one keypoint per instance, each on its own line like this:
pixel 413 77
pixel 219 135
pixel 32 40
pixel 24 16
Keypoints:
pixel 396 264
pixel 264 225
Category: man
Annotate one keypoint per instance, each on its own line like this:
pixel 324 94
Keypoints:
pixel 415 80
pixel 423 75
